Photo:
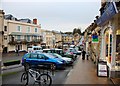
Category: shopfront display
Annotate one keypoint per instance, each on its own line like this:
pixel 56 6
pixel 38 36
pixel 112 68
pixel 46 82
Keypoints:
pixel 108 43
pixel 117 59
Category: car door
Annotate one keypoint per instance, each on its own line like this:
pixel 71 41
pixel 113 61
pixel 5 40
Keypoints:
pixel 42 59
pixel 33 59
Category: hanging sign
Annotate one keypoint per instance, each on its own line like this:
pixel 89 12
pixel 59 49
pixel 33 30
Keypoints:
pixel 95 39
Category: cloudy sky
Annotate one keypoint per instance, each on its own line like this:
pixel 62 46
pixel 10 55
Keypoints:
pixel 60 15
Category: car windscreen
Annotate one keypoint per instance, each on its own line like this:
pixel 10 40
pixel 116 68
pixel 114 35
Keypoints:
pixel 49 55
pixel 58 55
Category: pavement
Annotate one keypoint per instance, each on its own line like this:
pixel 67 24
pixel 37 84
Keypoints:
pixel 85 72
pixel 12 56
pixel 9 57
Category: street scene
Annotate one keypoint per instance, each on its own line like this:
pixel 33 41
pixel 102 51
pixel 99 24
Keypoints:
pixel 45 43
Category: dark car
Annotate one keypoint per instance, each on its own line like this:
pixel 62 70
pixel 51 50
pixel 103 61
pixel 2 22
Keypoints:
pixel 42 59
pixel 71 53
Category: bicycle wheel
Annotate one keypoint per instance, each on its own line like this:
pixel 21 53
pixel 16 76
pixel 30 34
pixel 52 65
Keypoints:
pixel 24 78
pixel 45 80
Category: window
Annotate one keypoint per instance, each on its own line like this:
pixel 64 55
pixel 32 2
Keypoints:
pixel 5 28
pixel 5 37
pixel 19 28
pixel 18 38
pixel 36 30
pixel 118 48
pixel 28 29
pixel 40 57
pixel 28 38
pixel 34 56
pixel 27 56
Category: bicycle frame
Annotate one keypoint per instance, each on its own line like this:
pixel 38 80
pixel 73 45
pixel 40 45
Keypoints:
pixel 34 74
pixel 39 76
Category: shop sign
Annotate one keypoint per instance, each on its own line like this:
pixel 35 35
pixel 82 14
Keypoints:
pixel 95 39
pixel 102 69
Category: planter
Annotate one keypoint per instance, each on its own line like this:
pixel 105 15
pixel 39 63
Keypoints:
pixel 9 63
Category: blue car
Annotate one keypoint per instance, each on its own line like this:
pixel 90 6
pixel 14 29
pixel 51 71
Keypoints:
pixel 42 59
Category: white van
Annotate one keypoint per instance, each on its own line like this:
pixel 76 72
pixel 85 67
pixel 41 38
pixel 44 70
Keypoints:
pixel 35 49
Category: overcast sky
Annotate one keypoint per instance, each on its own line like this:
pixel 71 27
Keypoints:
pixel 60 15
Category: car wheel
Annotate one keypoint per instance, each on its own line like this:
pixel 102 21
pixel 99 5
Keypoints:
pixel 53 66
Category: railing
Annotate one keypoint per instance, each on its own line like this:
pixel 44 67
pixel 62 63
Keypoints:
pixel 24 41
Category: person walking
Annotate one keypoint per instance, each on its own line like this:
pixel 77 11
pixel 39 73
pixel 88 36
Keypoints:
pixel 17 52
pixel 83 54
pixel 87 55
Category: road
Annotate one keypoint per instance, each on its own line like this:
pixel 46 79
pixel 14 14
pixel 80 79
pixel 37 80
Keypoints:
pixel 14 76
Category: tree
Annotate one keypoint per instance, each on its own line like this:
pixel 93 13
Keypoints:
pixel 76 30
pixel 68 33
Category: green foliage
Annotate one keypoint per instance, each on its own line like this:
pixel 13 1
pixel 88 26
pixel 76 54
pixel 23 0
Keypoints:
pixel 68 33
pixel 76 30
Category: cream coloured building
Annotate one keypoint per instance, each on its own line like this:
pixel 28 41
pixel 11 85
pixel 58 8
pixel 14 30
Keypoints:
pixel 20 35
pixel 49 39
pixel 58 39
pixel 1 42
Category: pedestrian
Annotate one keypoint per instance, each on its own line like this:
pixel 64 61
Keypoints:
pixel 17 52
pixel 87 55
pixel 83 54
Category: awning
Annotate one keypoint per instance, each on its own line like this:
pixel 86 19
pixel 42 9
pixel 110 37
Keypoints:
pixel 110 11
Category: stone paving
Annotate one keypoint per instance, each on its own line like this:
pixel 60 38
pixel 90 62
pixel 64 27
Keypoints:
pixel 85 72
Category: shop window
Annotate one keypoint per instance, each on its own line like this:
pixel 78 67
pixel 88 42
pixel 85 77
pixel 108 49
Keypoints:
pixel 108 42
pixel 118 50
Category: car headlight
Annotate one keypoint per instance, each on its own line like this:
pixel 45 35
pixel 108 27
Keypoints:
pixel 59 62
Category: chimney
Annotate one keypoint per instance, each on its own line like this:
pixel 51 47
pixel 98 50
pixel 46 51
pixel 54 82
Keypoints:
pixel 35 21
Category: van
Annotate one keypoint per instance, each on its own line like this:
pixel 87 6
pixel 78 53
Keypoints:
pixel 35 49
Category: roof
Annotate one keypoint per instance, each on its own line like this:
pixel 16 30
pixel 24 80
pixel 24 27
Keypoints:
pixel 27 20
pixel 10 17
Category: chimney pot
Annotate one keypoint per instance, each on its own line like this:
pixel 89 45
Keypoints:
pixel 35 21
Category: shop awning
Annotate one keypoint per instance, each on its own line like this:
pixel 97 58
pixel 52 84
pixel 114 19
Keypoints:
pixel 110 11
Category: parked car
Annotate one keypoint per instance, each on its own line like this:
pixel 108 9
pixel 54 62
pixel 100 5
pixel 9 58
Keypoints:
pixel 68 61
pixel 71 53
pixel 54 50
pixel 42 59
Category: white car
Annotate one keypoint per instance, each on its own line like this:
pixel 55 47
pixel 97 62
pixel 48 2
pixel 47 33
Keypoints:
pixel 66 59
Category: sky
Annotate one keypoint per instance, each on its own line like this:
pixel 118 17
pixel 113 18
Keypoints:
pixel 59 15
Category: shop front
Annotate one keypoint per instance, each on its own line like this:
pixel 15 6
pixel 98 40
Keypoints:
pixel 110 47
pixel 110 40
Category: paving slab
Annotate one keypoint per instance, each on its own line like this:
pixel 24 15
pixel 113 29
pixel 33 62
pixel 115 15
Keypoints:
pixel 85 72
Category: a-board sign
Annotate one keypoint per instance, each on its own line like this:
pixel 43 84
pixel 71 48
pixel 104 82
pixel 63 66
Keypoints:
pixel 102 69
